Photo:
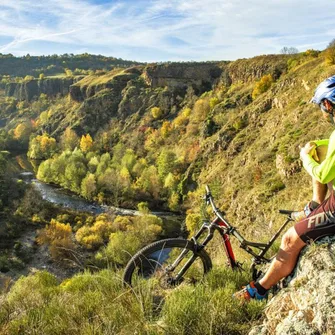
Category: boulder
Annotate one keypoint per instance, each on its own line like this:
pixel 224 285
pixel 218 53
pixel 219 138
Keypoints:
pixel 307 304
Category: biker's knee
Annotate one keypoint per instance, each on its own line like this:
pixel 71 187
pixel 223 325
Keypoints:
pixel 291 241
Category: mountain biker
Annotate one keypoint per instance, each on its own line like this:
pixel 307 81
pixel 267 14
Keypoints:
pixel 318 217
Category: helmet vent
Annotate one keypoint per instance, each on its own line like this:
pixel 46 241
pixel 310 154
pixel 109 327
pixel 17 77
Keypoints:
pixel 331 85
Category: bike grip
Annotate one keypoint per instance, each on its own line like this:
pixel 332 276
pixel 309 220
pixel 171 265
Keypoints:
pixel 207 189
pixel 284 211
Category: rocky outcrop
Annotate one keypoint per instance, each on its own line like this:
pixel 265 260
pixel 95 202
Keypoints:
pixel 200 76
pixel 31 89
pixel 307 305
pixel 84 90
pixel 248 70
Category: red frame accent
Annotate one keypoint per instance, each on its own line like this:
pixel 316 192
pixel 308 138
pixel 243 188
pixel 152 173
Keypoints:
pixel 227 245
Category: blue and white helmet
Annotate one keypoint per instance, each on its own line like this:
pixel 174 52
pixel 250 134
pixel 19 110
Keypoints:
pixel 325 90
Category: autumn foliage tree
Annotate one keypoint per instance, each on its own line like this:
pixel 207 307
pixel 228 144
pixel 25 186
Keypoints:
pixel 69 140
pixel 59 238
pixel 156 112
pixel 86 143
pixel 42 147
pixel 262 85
pixel 23 131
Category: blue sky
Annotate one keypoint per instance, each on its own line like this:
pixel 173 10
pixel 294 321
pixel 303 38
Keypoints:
pixel 161 30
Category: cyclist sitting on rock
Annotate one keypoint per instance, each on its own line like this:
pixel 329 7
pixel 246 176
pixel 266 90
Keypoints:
pixel 318 217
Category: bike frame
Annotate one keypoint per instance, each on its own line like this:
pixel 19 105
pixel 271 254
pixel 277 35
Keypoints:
pixel 221 224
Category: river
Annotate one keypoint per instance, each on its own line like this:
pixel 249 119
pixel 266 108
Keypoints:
pixel 68 199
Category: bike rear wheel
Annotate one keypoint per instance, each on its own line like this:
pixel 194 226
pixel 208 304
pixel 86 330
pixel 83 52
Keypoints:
pixel 168 262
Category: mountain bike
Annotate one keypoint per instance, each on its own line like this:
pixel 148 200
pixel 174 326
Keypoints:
pixel 176 260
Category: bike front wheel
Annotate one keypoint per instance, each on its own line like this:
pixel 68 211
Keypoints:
pixel 168 262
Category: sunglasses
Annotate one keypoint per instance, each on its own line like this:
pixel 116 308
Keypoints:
pixel 324 108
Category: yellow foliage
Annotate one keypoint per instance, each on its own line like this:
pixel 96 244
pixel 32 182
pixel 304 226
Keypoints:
pixel 86 143
pixel 23 130
pixel 180 121
pixel 156 112
pixel 47 142
pixel 93 237
pixel 153 140
pixel 174 201
pixel 166 129
pixel 193 221
pixel 54 231
pixel 121 223
pixel 186 112
pixel 262 85
pixel 213 102
pixel 59 238
pixel 200 110
pixel 92 241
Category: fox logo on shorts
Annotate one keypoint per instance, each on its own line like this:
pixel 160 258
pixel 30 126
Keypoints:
pixel 318 219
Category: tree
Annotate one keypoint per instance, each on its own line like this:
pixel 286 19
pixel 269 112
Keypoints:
pixel 23 131
pixel 129 159
pixel 88 186
pixel 330 53
pixel 289 50
pixel 166 163
pixel 149 181
pixel 44 172
pixel 69 139
pixel 74 174
pixel 262 85
pixel 42 147
pixel 166 129
pixel 86 143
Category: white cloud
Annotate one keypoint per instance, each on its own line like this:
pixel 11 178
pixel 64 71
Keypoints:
pixel 163 30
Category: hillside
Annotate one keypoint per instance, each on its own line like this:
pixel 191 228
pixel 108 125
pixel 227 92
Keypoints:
pixel 55 64
pixel 151 136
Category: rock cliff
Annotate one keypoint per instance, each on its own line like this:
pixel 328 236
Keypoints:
pixel 200 76
pixel 34 88
pixel 307 305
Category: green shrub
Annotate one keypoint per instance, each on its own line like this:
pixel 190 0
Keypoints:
pixel 212 299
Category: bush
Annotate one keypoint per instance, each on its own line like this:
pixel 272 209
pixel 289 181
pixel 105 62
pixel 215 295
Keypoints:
pixel 156 112
pixel 262 86
pixel 95 236
pixel 59 238
pixel 123 244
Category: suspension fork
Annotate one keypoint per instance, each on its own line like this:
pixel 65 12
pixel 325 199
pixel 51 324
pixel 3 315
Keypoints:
pixel 206 226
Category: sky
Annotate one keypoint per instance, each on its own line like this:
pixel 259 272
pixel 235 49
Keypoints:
pixel 165 30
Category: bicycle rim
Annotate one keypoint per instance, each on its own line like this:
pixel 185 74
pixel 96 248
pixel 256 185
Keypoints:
pixel 167 264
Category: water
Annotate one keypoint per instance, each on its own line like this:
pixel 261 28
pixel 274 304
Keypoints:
pixel 64 198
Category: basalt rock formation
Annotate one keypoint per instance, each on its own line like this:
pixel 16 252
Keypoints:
pixel 307 305
pixel 28 90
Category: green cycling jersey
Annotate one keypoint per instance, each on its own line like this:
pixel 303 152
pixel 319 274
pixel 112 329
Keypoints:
pixel 324 172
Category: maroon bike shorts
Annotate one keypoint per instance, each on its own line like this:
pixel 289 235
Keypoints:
pixel 319 223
